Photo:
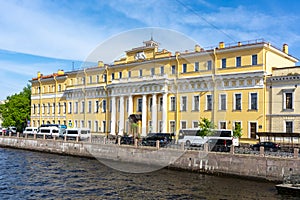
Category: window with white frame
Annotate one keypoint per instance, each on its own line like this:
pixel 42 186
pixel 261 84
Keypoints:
pixel 53 108
pixel 236 123
pixel 82 124
pixel 70 108
pixel 253 101
pixel 104 126
pixel 58 108
pixel 43 108
pixel 150 104
pixel 209 102
pixel 195 124
pixel 48 108
pixel 184 68
pixel 172 104
pixel 162 70
pixel 64 107
pixel 196 103
pixel 97 79
pixel 288 100
pixel 82 106
pixel 222 102
pixel 254 59
pixel 152 71
pixel 289 125
pixel 196 66
pixel 90 125
pixel 209 65
pixel 160 104
pixel 183 124
pixel 173 69
pixel 120 75
pixel 91 79
pixel 237 101
pixel 76 107
pixel 140 105
pixel 129 74
pixel 96 108
pixel 89 106
pixel 223 63
pixel 183 103
pixel 96 126
pixel 172 126
pixel 104 106
pixel 140 73
pixel 238 61
pixel 222 125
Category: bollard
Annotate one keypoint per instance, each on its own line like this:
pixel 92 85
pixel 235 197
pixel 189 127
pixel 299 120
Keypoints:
pixel 18 134
pixel 54 137
pixel 77 138
pixel 44 136
pixel 119 141
pixel 182 146
pixel 34 135
pixel 261 151
pixel 104 140
pixel 65 138
pixel 9 134
pixel 90 139
pixel 206 147
pixel 232 149
pixel 26 135
pixel 136 143
pixel 157 144
pixel 296 153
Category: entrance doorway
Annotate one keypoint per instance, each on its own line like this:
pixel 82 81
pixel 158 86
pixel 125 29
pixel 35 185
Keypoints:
pixel 253 130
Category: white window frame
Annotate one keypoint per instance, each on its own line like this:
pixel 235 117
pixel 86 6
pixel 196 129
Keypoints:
pixel 284 99
pixel 171 103
pixel 182 104
pixel 220 102
pixel 206 102
pixel 219 124
pixel 186 124
pixel 195 121
pixel 70 107
pixel 284 125
pixel 250 100
pixel 138 104
pixel 196 64
pixel 234 100
pixel 170 127
pixel 194 103
pixel 96 126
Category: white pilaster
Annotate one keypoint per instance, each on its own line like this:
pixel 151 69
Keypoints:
pixel 113 116
pixel 121 125
pixel 164 113
pixel 144 116
pixel 154 114
pixel 130 105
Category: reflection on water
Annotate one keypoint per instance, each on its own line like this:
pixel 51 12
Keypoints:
pixel 33 175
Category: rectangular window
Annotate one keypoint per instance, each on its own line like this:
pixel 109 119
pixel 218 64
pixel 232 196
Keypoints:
pixel 120 75
pixel 129 74
pixel 254 59
pixel 209 102
pixel 222 125
pixel 196 66
pixel 104 126
pixel 90 125
pixel 172 126
pixel 195 124
pixel 238 61
pixel 183 124
pixel 48 108
pixel 70 108
pixel 140 105
pixel 160 104
pixel 222 100
pixel 150 104
pixel 83 80
pixel 152 71
pixel 104 106
pixel 162 70
pixel 112 76
pixel 76 108
pixel 96 126
pixel 288 100
pixel 140 73
pixel 238 101
pixel 209 64
pixel 104 78
pixel 90 107
pixel 59 87
pixel 96 108
pixel 91 79
pixel 223 66
pixel 183 103
pixel 289 127
pixel 184 68
pixel 43 109
pixel 253 101
pixel 75 124
pixel 196 103
pixel 58 108
pixel 173 69
pixel 82 124
pixel 53 108
pixel 97 79
pixel 82 107
pixel 172 104
pixel 65 108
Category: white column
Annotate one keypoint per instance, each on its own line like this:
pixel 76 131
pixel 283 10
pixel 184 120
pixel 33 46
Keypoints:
pixel 121 126
pixel 164 112
pixel 130 105
pixel 113 116
pixel 154 114
pixel 144 116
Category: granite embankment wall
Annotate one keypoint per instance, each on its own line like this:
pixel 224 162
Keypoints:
pixel 244 165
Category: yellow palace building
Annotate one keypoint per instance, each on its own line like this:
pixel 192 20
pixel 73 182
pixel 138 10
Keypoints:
pixel 160 91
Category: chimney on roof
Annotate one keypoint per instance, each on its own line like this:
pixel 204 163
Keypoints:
pixel 285 48
pixel 197 48
pixel 221 45
pixel 39 74
pixel 100 63
pixel 60 72
pixel 239 44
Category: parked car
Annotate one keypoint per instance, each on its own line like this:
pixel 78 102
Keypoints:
pixel 30 130
pixel 82 133
pixel 163 138
pixel 269 146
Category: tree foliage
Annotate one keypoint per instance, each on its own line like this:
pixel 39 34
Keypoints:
pixel 237 132
pixel 16 109
pixel 206 127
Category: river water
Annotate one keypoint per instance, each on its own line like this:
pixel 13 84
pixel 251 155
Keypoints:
pixel 34 175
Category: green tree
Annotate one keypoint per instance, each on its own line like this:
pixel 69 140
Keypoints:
pixel 206 127
pixel 237 132
pixel 16 109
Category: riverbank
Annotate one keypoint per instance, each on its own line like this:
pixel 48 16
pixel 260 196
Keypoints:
pixel 250 166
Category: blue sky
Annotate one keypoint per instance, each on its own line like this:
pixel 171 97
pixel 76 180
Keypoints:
pixel 44 35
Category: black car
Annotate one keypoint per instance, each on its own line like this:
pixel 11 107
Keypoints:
pixel 163 138
pixel 269 146
pixel 127 140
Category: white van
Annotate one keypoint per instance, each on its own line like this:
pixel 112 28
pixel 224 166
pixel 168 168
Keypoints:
pixel 82 133
pixel 49 132
pixel 30 130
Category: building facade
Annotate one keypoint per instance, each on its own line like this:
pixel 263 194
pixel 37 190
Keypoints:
pixel 159 91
